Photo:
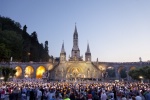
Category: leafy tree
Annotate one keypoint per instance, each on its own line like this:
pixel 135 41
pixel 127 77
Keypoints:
pixel 143 71
pixel 25 29
pixel 111 72
pixel 17 43
pixel 4 52
pixel 7 72
pixel 26 45
pixel 134 74
pixel 123 73
pixel 13 43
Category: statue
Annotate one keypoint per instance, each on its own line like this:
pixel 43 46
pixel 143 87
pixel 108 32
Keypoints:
pixel 140 59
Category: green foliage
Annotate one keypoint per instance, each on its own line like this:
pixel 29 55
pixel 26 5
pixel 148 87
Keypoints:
pixel 6 72
pixel 134 74
pixel 13 43
pixel 4 52
pixel 17 43
pixel 143 71
pixel 123 73
pixel 111 72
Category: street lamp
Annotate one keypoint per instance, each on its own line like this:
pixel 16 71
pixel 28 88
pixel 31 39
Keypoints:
pixel 141 78
pixel 29 56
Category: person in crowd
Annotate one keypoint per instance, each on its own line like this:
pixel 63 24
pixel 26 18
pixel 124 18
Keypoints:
pixel 103 95
pixel 38 90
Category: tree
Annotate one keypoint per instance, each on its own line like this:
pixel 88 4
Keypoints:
pixel 7 72
pixel 4 52
pixel 134 74
pixel 143 71
pixel 25 28
pixel 17 43
pixel 123 73
pixel 111 72
pixel 13 43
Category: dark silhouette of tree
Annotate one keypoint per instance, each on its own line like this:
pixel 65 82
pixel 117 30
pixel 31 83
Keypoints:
pixel 6 72
pixel 13 44
pixel 123 73
pixel 143 71
pixel 4 52
pixel 24 28
pixel 111 73
pixel 19 44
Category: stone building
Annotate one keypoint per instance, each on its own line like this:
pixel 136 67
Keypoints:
pixel 75 67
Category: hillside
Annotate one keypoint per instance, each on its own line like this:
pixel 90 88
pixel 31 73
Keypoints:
pixel 20 45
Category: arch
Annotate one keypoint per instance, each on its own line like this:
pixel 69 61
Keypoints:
pixel 132 68
pixel 40 71
pixel 102 67
pixel 120 68
pixel 18 74
pixel 50 67
pixel 110 72
pixel 75 69
pixel 29 71
pixel 122 71
pixel 74 72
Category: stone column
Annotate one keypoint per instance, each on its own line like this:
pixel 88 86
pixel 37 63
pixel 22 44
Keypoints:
pixel 116 72
pixel 127 71
pixel 23 71
pixel 34 73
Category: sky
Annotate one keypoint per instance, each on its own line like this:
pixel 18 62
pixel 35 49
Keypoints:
pixel 116 30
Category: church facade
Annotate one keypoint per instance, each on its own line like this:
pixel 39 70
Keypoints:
pixel 75 67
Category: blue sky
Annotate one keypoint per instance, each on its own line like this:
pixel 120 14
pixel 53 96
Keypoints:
pixel 117 30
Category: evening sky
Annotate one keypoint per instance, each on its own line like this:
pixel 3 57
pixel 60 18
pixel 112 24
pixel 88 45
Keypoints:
pixel 116 30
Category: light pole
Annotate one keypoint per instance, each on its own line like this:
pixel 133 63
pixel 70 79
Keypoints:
pixel 29 56
pixel 141 78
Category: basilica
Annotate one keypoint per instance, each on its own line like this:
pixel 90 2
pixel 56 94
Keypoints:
pixel 76 67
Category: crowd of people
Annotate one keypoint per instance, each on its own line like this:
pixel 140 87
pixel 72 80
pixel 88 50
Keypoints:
pixel 83 90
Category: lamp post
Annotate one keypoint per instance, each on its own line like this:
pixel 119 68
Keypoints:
pixel 141 78
pixel 29 56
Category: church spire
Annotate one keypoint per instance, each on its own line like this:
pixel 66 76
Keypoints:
pixel 62 54
pixel 75 36
pixel 75 31
pixel 88 49
pixel 88 54
pixel 63 49
pixel 75 53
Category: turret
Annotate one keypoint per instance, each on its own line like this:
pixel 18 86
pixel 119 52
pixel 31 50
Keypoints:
pixel 88 54
pixel 62 54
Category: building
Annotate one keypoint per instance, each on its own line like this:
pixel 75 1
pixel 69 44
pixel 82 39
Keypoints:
pixel 75 68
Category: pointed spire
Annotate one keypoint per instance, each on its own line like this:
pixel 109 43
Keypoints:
pixel 75 31
pixel 63 49
pixel 88 49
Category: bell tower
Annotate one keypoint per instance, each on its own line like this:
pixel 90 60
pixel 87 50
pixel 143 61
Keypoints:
pixel 75 53
pixel 62 54
pixel 88 54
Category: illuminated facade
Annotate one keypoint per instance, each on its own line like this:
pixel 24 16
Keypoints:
pixel 75 67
